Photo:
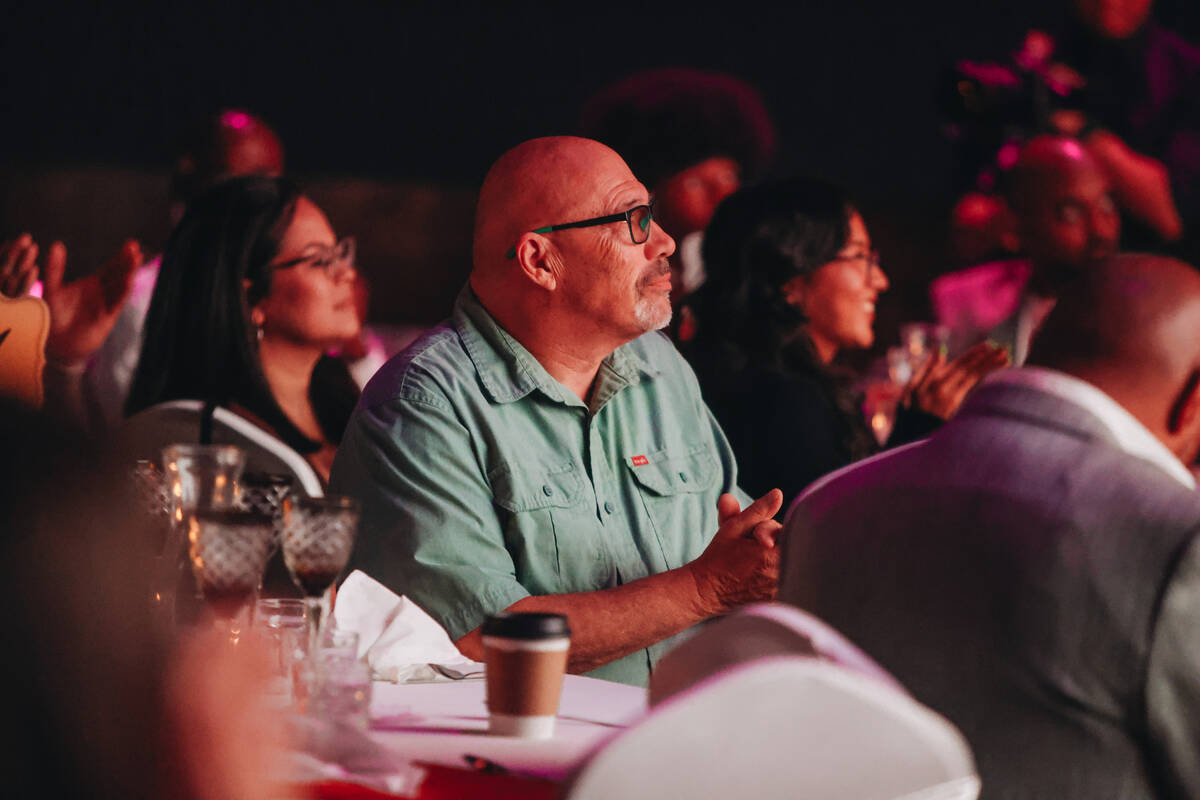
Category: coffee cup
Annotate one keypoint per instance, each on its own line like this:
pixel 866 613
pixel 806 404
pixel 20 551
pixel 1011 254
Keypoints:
pixel 526 656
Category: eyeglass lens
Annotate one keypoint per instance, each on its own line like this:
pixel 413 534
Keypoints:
pixel 639 223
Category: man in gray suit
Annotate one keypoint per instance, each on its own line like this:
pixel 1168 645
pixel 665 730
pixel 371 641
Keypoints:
pixel 1033 570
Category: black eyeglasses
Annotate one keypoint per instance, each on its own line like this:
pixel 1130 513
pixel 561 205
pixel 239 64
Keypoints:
pixel 869 260
pixel 334 260
pixel 637 218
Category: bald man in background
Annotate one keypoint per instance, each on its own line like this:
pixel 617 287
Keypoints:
pixel 1060 216
pixel 1032 571
pixel 547 449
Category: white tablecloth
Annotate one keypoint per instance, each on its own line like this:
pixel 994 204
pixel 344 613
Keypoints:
pixel 442 722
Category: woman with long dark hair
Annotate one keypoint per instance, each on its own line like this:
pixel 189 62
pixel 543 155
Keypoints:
pixel 792 282
pixel 254 289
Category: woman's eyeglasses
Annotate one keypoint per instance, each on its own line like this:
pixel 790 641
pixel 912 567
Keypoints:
pixel 334 260
pixel 869 260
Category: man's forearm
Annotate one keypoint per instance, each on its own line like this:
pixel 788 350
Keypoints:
pixel 611 623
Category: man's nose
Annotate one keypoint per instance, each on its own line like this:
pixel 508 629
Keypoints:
pixel 660 242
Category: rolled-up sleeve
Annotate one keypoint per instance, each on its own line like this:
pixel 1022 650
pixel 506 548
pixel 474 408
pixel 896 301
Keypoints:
pixel 428 529
pixel 1173 681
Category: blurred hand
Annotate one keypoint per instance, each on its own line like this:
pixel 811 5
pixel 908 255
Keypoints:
pixel 939 387
pixel 741 563
pixel 18 266
pixel 83 312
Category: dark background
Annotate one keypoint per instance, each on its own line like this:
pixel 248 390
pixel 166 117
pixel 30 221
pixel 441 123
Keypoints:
pixel 392 111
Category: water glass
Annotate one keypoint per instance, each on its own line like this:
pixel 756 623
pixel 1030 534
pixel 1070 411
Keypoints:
pixel 283 624
pixel 343 693
pixel 196 477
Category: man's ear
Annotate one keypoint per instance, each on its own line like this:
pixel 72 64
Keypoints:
pixel 1185 411
pixel 538 260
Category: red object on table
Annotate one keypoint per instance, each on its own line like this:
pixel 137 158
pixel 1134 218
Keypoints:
pixel 445 783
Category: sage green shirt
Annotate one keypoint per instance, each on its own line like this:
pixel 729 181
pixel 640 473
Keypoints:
pixel 483 480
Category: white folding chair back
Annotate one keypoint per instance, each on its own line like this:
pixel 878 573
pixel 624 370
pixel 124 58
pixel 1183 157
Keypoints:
pixel 146 433
pixel 784 727
pixel 766 629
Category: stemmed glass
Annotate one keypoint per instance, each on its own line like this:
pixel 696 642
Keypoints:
pixel 265 492
pixel 318 534
pixel 228 550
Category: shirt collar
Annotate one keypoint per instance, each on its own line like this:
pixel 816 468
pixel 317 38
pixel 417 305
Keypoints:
pixel 509 372
pixel 1130 435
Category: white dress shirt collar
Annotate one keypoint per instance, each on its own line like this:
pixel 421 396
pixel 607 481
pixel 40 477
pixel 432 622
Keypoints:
pixel 1129 434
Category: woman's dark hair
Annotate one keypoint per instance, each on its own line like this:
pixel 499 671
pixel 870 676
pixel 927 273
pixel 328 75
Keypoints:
pixel 199 342
pixel 759 238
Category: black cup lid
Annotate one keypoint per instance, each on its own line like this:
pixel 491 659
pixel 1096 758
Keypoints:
pixel 526 626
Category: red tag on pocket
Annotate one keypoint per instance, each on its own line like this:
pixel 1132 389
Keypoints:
pixel 639 461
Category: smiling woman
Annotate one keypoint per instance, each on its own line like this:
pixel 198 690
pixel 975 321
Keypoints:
pixel 254 289
pixel 792 281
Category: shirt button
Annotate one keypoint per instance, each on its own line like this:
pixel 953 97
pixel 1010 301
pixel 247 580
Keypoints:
pixel 608 507
pixel 547 489
pixel 683 477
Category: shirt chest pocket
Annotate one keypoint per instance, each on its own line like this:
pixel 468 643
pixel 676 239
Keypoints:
pixel 677 485
pixel 549 528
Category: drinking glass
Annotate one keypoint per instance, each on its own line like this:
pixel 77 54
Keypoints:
pixel 228 551
pixel 196 477
pixel 318 534
pixel 284 624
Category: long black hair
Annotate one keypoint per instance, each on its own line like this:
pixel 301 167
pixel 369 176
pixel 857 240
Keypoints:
pixel 759 238
pixel 199 341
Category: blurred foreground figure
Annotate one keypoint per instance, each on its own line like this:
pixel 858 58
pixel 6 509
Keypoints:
pixel 547 449
pixel 1062 218
pixel 1032 571
pixel 97 704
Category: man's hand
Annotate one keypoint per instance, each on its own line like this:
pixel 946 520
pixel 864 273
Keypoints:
pixel 83 312
pixel 741 563
pixel 18 266
pixel 939 387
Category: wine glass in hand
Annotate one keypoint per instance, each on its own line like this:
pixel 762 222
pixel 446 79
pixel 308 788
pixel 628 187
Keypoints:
pixel 318 534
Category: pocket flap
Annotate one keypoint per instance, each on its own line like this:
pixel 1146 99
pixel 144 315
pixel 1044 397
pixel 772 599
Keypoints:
pixel 530 489
pixel 670 471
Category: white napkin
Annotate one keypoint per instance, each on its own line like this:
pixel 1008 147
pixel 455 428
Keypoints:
pixel 398 640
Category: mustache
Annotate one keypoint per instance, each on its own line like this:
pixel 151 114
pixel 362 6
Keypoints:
pixel 660 268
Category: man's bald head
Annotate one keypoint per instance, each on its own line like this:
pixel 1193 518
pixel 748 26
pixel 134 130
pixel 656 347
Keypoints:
pixel 540 182
pixel 1131 326
pixel 1060 198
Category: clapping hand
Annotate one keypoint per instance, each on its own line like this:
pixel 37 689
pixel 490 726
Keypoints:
pixel 83 312
pixel 939 387
pixel 18 266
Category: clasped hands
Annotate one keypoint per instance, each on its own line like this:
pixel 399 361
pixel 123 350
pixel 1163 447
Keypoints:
pixel 741 563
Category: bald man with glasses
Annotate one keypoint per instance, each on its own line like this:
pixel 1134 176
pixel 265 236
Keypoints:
pixel 547 449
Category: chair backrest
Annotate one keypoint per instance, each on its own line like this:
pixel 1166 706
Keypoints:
pixel 757 631
pixel 146 433
pixel 784 727
pixel 24 325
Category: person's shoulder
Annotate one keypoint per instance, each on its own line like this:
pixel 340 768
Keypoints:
pixel 423 370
